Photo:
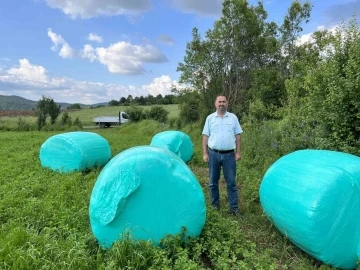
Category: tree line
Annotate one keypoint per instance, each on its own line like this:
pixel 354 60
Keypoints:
pixel 144 100
pixel 310 88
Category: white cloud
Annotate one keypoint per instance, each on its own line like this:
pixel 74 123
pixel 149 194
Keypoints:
pixel 119 58
pixel 89 53
pixel 306 38
pixel 29 72
pixel 65 51
pixel 161 85
pixel 201 7
pixel 124 57
pixel 94 8
pixel 95 37
pixel 165 39
pixel 32 82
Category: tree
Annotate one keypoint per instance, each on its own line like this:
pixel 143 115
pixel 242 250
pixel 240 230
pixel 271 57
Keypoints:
pixel 290 31
pixel 46 107
pixel 234 55
pixel 53 111
pixel 129 99
pixel 122 100
pixel 142 100
pixel 75 106
pixel 325 94
pixel 114 103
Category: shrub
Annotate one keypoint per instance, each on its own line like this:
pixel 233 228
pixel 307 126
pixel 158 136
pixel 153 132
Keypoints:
pixel 135 113
pixel 158 113
pixel 66 119
pixel 77 122
pixel 22 125
pixel 189 107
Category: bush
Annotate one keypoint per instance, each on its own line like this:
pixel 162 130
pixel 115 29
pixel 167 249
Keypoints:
pixel 172 122
pixel 77 123
pixel 157 113
pixel 135 113
pixel 66 119
pixel 22 125
pixel 189 107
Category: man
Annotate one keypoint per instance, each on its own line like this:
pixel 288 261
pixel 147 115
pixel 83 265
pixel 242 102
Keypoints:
pixel 222 148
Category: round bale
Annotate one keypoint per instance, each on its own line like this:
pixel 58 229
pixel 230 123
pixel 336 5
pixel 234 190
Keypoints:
pixel 74 151
pixel 313 198
pixel 175 141
pixel 148 192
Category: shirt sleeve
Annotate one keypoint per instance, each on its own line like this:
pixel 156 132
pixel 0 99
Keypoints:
pixel 206 129
pixel 238 128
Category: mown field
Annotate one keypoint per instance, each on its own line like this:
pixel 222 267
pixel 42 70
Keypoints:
pixel 44 219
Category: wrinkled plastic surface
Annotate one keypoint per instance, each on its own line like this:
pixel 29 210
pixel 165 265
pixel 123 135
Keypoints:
pixel 175 141
pixel 313 198
pixel 148 192
pixel 74 151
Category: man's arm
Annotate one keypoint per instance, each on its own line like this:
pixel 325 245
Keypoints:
pixel 238 147
pixel 205 148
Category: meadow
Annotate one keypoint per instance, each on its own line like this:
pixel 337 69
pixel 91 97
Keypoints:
pixel 44 219
pixel 84 115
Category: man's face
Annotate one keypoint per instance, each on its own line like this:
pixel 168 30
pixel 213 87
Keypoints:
pixel 221 104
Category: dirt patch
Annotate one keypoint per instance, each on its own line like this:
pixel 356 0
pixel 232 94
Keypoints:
pixel 12 113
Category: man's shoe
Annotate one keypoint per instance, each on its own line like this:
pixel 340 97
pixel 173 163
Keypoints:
pixel 235 212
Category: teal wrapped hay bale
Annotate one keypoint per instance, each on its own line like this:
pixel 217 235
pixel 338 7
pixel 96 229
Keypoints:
pixel 175 141
pixel 148 192
pixel 313 198
pixel 74 151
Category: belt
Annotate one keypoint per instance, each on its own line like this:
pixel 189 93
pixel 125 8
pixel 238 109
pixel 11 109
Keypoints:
pixel 222 151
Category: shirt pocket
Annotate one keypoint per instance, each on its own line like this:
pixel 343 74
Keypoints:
pixel 214 128
pixel 230 126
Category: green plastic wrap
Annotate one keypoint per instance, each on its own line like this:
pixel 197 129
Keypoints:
pixel 175 141
pixel 74 151
pixel 313 198
pixel 148 192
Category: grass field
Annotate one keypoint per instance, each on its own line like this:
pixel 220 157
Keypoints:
pixel 84 115
pixel 44 219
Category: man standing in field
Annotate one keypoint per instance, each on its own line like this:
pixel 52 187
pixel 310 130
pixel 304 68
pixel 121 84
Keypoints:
pixel 222 148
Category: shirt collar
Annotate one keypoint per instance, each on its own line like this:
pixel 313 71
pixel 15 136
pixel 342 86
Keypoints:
pixel 225 115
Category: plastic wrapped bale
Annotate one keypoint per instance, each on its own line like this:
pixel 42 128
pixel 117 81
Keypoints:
pixel 74 151
pixel 148 192
pixel 175 141
pixel 313 198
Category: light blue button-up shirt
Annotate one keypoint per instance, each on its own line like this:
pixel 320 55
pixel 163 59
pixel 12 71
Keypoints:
pixel 222 130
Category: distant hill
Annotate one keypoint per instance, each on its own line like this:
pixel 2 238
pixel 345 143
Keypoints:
pixel 16 103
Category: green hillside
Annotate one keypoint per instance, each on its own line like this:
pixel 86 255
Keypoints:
pixel 14 103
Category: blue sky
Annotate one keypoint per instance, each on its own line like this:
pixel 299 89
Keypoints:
pixel 92 51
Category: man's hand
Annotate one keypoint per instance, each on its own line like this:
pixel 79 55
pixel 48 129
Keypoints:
pixel 237 156
pixel 206 157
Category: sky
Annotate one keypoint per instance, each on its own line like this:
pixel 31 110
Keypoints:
pixel 93 51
